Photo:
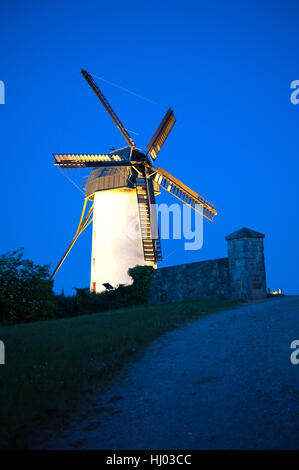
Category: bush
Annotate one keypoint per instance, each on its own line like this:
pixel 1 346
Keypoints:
pixel 65 306
pixel 141 276
pixel 123 296
pixel 25 291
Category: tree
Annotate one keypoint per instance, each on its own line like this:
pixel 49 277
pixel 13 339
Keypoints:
pixel 25 291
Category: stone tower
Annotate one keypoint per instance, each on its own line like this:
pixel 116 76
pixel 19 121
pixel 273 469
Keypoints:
pixel 246 264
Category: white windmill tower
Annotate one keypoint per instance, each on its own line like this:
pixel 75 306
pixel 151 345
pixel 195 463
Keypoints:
pixel 122 188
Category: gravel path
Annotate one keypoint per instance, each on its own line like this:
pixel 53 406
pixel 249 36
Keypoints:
pixel 222 382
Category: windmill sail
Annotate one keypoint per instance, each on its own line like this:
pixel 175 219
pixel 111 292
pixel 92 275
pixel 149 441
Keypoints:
pixel 90 160
pixel 108 108
pixel 161 134
pixel 184 193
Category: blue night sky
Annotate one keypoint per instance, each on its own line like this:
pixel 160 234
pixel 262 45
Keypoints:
pixel 225 67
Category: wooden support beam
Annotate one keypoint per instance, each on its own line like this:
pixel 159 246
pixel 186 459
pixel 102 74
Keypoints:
pixel 84 222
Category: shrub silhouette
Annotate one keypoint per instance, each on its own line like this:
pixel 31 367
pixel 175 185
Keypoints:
pixel 25 291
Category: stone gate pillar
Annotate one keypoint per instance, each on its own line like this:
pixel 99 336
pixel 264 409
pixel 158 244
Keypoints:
pixel 246 264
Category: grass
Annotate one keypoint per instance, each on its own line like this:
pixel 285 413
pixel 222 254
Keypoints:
pixel 50 365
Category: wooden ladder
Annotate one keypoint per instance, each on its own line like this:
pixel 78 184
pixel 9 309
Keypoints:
pixel 151 246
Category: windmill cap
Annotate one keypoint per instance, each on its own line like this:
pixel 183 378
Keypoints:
pixel 244 233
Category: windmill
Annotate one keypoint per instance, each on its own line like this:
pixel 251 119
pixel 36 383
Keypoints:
pixel 122 179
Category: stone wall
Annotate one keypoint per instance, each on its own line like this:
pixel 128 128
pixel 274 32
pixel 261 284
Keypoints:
pixel 193 281
pixel 241 275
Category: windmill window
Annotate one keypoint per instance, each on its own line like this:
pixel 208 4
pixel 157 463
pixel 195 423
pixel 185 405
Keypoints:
pixel 93 288
pixel 93 261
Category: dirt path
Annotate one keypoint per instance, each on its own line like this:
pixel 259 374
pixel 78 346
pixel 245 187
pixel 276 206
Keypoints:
pixel 222 382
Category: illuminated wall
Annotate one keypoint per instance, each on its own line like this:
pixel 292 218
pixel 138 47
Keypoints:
pixel 116 238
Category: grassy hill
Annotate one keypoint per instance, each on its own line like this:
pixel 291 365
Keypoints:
pixel 51 365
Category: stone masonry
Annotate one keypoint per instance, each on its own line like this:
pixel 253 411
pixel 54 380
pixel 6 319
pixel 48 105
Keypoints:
pixel 241 275
pixel 246 264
